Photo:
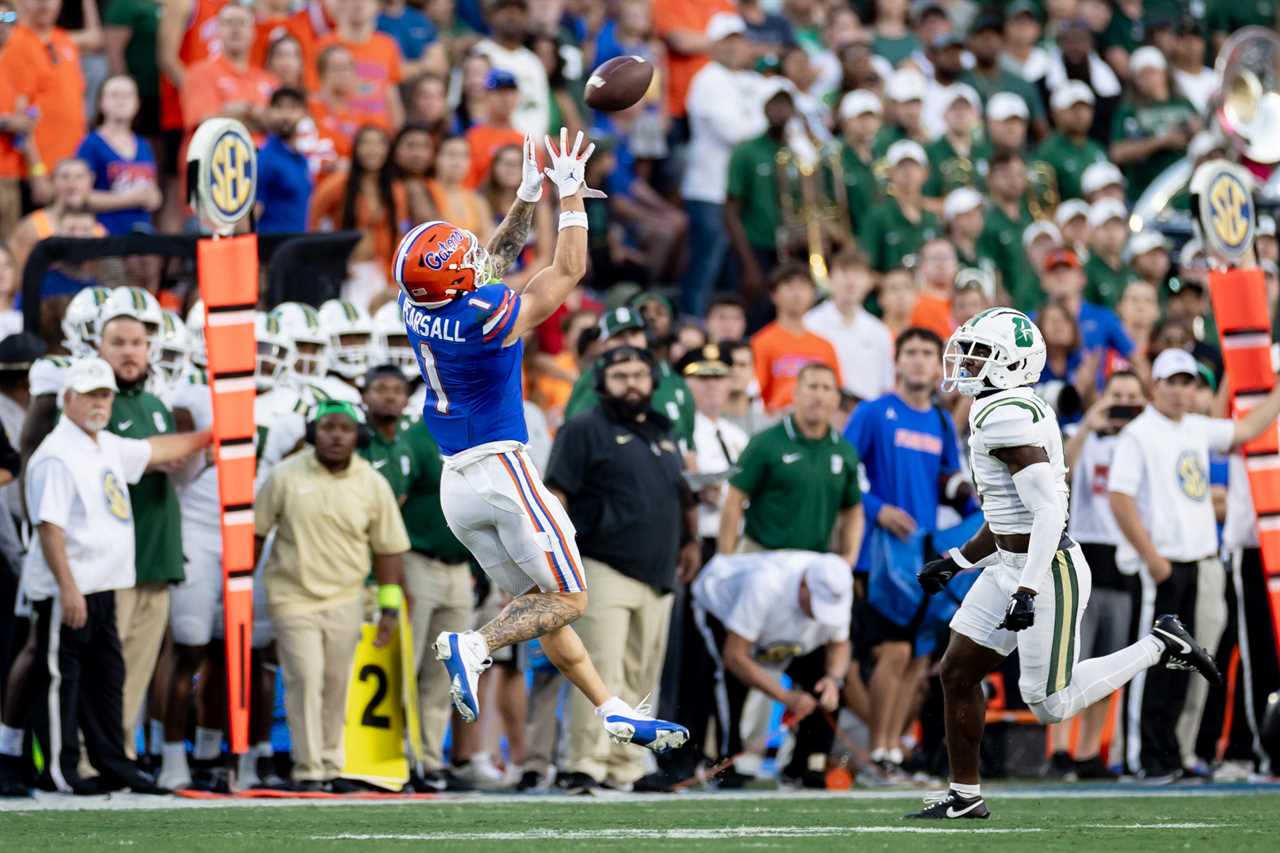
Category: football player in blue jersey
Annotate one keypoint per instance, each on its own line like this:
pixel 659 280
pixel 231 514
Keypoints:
pixel 465 328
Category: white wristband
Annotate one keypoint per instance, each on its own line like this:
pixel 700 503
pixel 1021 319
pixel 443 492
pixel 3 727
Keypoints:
pixel 959 559
pixel 573 219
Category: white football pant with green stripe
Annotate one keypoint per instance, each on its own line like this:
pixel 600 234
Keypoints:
pixel 1054 683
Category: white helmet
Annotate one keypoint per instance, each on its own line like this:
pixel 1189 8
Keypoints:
pixel 80 321
pixel 351 344
pixel 132 302
pixel 309 343
pixel 393 340
pixel 195 330
pixel 274 353
pixel 1007 345
pixel 171 349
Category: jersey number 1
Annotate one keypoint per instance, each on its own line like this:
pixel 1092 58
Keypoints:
pixel 433 378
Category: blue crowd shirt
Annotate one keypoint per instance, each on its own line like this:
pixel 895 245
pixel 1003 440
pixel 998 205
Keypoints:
pixel 113 172
pixel 284 188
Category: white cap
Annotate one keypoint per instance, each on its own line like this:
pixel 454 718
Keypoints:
pixel 962 91
pixel 906 84
pixel 860 102
pixel 1006 105
pixel 830 583
pixel 1069 210
pixel 725 24
pixel 1071 93
pixel 960 201
pixel 1143 242
pixel 1266 226
pixel 1036 230
pixel 1145 58
pixel 90 374
pixel 1101 174
pixel 1173 361
pixel 1102 212
pixel 1191 248
pixel 906 149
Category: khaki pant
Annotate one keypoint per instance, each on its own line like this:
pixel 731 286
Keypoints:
pixel 315 651
pixel 142 615
pixel 441 601
pixel 625 632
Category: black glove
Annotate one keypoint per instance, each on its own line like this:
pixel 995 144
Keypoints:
pixel 1021 613
pixel 936 574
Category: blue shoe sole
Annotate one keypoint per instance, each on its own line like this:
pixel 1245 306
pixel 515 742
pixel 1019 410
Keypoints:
pixel 459 686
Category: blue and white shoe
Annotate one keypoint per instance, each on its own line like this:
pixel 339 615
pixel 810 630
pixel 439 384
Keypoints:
pixel 465 656
pixel 637 725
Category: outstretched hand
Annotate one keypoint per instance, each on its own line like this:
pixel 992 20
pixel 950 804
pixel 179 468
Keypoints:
pixel 531 179
pixel 568 167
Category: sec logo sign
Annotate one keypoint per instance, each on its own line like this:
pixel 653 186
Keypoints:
pixel 226 167
pixel 1226 209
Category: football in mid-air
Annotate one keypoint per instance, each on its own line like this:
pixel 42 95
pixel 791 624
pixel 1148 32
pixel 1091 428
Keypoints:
pixel 619 83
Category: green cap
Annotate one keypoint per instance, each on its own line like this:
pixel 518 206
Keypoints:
pixel 620 319
pixel 1024 7
pixel 338 407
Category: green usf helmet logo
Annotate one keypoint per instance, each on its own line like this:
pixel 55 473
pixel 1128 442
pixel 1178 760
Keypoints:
pixel 1022 335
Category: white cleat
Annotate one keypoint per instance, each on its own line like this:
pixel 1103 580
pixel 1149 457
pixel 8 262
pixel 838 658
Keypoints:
pixel 465 656
pixel 637 725
pixel 175 775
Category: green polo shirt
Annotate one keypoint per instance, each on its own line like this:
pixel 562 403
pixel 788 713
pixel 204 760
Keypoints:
pixel 1144 121
pixel 1104 284
pixel 1001 244
pixel 392 458
pixel 796 486
pixel 753 183
pixel 949 171
pixel 895 49
pixel 423 517
pixel 157 518
pixel 886 136
pixel 1226 16
pixel 1006 81
pixel 861 189
pixel 672 398
pixel 888 236
pixel 1069 161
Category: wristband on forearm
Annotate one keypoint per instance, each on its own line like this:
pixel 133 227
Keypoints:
pixel 390 596
pixel 957 556
pixel 573 219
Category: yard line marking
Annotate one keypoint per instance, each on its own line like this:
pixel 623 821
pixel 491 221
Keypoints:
pixel 1158 825
pixel 669 834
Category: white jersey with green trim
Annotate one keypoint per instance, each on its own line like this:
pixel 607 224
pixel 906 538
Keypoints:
pixel 1011 418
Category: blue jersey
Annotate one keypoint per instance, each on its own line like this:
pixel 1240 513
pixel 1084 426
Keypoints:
pixel 903 451
pixel 474 393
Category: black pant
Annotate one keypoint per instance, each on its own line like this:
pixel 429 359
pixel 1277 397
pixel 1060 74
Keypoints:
pixel 1165 690
pixel 1249 627
pixel 707 687
pixel 79 679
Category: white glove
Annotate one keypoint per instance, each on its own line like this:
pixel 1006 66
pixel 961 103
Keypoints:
pixel 531 179
pixel 568 168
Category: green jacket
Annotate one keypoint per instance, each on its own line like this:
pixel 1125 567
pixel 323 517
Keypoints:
pixel 429 533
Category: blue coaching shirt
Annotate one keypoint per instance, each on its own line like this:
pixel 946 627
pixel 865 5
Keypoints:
pixel 903 451
pixel 284 188
pixel 474 389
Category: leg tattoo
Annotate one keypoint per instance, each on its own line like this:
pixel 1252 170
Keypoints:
pixel 530 615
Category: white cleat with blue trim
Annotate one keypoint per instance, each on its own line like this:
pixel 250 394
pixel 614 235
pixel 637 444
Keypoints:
pixel 465 656
pixel 637 725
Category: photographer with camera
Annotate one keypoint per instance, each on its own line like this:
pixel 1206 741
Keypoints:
pixel 1106 625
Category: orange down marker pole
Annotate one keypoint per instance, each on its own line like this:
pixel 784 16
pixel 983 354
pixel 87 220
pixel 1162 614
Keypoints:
pixel 1240 308
pixel 228 274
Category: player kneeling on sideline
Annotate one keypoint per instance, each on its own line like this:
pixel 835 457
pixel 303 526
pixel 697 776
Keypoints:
pixel 1036 582
pixel 466 334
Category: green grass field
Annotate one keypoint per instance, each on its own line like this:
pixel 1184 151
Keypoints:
pixel 1032 820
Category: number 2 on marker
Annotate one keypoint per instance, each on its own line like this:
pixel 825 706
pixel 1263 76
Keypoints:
pixel 433 378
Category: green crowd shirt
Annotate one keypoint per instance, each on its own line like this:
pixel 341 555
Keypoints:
pixel 672 398
pixel 157 517
pixel 1001 244
pixel 1006 81
pixel 949 171
pixel 1145 121
pixel 1069 161
pixel 423 516
pixel 861 189
pixel 142 19
pixel 1226 16
pixel 796 486
pixel 753 183
pixel 888 236
pixel 1105 284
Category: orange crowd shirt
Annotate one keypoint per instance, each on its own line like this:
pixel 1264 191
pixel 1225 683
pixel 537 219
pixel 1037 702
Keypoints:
pixel 780 355
pixel 377 69
pixel 309 25
pixel 338 123
pixel 214 82
pixel 933 313
pixel 485 142
pixel 693 15
pixel 10 157
pixel 48 75
pixel 381 234
pixel 198 43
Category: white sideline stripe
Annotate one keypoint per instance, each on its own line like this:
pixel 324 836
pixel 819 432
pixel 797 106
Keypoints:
pixel 228 452
pixel 701 834
pixel 230 318
pixel 231 386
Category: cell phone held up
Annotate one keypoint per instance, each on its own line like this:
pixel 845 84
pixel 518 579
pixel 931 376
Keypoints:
pixel 1123 413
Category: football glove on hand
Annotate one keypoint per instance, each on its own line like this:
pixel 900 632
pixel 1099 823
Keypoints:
pixel 568 168
pixel 936 574
pixel 531 177
pixel 1021 612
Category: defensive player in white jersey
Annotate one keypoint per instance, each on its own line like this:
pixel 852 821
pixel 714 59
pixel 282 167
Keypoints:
pixel 1035 582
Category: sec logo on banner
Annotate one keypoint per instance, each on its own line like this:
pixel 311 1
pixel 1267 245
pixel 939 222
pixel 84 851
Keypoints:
pixel 1226 209
pixel 225 161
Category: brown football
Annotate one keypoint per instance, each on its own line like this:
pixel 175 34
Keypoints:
pixel 619 83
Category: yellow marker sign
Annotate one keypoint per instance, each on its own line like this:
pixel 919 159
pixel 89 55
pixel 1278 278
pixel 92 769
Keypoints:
pixel 373 741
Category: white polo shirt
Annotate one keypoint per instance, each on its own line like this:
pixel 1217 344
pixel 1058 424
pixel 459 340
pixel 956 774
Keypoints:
pixel 1164 466
pixel 82 486
pixel 718 444
pixel 863 346
pixel 1091 520
pixel 757 597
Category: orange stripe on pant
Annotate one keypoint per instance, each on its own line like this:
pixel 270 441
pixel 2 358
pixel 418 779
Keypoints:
pixel 533 518
pixel 564 543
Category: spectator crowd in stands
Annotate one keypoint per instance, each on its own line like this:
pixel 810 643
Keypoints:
pixel 809 199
